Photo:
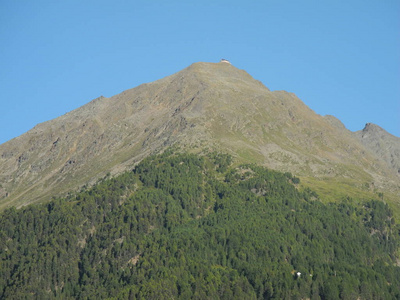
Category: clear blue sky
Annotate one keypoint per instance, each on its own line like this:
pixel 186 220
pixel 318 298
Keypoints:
pixel 340 57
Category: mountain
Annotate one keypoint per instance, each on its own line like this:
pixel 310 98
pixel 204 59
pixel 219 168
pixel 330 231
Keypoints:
pixel 205 107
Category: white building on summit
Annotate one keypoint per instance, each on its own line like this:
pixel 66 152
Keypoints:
pixel 225 61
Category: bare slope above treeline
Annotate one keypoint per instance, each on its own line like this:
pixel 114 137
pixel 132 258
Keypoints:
pixel 211 106
pixel 382 144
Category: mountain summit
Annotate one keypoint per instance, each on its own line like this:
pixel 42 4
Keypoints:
pixel 205 107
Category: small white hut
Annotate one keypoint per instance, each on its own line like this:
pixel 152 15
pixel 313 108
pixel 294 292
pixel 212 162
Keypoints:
pixel 225 61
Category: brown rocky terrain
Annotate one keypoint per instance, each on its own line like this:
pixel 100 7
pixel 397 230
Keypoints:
pixel 207 106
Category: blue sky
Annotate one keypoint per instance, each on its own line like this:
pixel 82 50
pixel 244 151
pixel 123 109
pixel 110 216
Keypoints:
pixel 339 57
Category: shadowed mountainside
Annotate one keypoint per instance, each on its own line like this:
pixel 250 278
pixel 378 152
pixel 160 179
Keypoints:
pixel 207 106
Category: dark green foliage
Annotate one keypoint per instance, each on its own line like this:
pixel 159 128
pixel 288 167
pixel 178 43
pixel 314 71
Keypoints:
pixel 221 161
pixel 173 229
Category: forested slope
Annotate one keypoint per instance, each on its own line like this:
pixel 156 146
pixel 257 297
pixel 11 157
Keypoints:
pixel 182 226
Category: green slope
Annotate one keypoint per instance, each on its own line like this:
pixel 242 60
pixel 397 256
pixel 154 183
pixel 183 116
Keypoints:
pixel 184 226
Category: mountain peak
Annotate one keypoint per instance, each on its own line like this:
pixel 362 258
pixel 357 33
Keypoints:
pixel 223 73
pixel 213 106
pixel 371 127
pixel 383 144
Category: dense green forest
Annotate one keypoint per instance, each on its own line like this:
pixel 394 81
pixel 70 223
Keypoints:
pixel 183 226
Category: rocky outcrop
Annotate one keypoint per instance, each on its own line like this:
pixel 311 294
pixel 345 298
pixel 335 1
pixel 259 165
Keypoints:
pixel 382 144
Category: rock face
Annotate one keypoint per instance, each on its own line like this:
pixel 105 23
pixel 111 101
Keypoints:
pixel 205 106
pixel 382 144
